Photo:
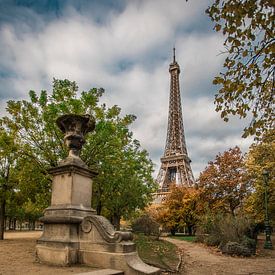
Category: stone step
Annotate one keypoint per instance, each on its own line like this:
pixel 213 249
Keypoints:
pixel 103 272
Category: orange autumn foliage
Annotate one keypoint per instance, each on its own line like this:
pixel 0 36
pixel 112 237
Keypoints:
pixel 224 182
pixel 180 209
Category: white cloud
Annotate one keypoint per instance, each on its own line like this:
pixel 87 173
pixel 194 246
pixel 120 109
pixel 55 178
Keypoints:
pixel 128 55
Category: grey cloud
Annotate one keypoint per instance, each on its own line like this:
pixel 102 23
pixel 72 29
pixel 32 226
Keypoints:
pixel 128 54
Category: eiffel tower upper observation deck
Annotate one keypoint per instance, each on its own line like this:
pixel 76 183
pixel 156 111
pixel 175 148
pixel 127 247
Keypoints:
pixel 175 163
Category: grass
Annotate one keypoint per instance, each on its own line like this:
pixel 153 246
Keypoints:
pixel 159 253
pixel 184 238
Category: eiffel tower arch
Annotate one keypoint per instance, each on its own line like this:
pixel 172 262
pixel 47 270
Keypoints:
pixel 175 164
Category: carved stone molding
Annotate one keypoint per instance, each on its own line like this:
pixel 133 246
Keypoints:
pixel 105 229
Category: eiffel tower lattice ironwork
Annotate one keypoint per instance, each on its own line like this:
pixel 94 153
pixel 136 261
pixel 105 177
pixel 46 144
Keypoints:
pixel 175 164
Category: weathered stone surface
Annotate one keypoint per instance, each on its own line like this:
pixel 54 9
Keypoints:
pixel 101 246
pixel 55 255
pixel 71 202
pixel 75 127
pixel 75 213
pixel 130 263
pixel 60 232
pixel 72 186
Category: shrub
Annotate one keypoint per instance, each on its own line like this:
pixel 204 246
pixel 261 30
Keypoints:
pixel 208 232
pixel 212 240
pixel 226 231
pixel 250 244
pixel 234 248
pixel 147 225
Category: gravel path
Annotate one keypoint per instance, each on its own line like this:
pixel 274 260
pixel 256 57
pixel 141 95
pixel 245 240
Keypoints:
pixel 201 260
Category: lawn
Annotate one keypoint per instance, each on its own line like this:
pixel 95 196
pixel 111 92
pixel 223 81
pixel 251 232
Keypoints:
pixel 159 253
pixel 184 238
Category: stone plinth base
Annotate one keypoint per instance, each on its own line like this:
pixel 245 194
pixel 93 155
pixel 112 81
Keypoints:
pixel 59 243
pixel 74 234
pixel 57 254
pixel 101 246
pixel 130 263
pixel 92 241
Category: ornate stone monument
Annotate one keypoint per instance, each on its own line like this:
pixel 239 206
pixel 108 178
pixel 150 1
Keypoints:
pixel 73 233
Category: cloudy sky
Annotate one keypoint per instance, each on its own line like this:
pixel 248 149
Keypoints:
pixel 124 47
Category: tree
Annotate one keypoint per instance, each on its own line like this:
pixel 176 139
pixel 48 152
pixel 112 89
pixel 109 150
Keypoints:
pixel 124 183
pixel 124 180
pixel 261 156
pixel 180 209
pixel 7 162
pixel 247 82
pixel 130 187
pixel 224 182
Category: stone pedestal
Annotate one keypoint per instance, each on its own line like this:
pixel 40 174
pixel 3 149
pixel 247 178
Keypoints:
pixel 70 203
pixel 73 233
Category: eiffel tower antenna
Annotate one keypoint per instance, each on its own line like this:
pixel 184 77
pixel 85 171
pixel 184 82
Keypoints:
pixel 175 163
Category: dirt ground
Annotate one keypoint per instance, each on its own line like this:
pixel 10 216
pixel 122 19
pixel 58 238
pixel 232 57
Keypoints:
pixel 17 257
pixel 201 260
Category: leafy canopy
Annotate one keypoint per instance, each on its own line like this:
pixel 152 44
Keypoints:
pixel 181 208
pixel 124 180
pixel 246 85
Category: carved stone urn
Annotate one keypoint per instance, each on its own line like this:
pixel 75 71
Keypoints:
pixel 75 127
pixel 73 233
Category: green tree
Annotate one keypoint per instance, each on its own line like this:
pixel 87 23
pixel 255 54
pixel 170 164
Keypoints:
pixel 224 182
pixel 261 156
pixel 247 81
pixel 7 162
pixel 124 180
pixel 124 168
pixel 14 208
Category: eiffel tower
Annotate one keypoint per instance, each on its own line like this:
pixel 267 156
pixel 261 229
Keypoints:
pixel 175 163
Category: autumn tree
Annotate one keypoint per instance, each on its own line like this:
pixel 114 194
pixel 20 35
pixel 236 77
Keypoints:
pixel 261 156
pixel 180 209
pixel 224 182
pixel 246 85
pixel 124 180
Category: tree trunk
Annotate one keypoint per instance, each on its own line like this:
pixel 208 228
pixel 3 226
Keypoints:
pixel 189 228
pixel 116 221
pixel 98 207
pixel 2 218
pixel 14 224
pixel 173 231
pixel 10 223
